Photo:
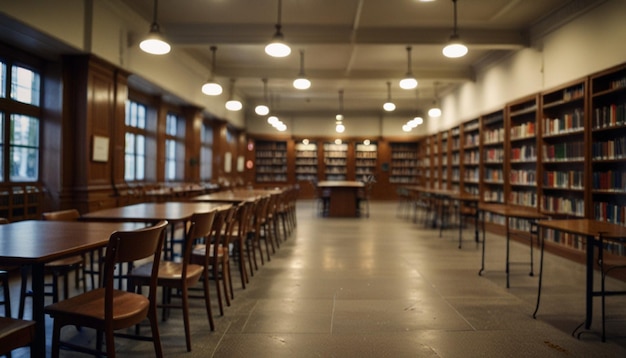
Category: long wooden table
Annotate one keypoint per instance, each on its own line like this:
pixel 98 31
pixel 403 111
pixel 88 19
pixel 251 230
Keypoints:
pixel 35 243
pixel 234 196
pixel 594 232
pixel 174 212
pixel 342 197
pixel 510 212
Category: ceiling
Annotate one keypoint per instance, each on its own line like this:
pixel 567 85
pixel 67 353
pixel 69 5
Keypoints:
pixel 352 45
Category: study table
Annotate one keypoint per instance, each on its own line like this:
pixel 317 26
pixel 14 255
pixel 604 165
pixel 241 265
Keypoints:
pixel 234 196
pixel 174 212
pixel 509 212
pixel 342 198
pixel 36 242
pixel 594 232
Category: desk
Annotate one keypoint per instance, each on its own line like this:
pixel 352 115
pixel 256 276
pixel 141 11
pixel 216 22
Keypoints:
pixel 510 212
pixel 234 196
pixel 343 197
pixel 35 243
pixel 590 229
pixel 174 212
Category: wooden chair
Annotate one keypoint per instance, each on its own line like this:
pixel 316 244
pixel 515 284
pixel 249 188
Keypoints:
pixel 15 333
pixel 243 246
pixel 107 309
pixel 180 276
pixel 58 269
pixel 212 253
pixel 608 265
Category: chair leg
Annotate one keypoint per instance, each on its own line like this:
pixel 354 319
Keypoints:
pixel 185 299
pixel 207 299
pixel 23 291
pixel 215 273
pixel 7 294
pixel 156 338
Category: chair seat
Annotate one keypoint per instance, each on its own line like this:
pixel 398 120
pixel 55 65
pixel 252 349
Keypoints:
pixel 15 333
pixel 87 309
pixel 168 270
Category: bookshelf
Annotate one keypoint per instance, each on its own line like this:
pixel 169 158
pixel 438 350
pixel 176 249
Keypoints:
pixel 335 161
pixel 405 167
pixel 608 148
pixel 471 156
pixel 306 161
pixel 425 162
pixel 522 144
pixel 435 148
pixel 366 155
pixel 444 160
pixel 492 148
pixel 271 161
pixel 455 158
pixel 563 151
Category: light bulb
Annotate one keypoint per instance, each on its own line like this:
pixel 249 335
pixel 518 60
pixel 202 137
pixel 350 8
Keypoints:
pixel 434 112
pixel 233 105
pixel 262 110
pixel 389 106
pixel 408 83
pixel 212 89
pixel 301 83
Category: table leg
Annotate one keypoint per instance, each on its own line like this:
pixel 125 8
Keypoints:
pixel 458 215
pixel 508 239
pixel 541 244
pixel 37 278
pixel 476 217
pixel 589 288
pixel 482 264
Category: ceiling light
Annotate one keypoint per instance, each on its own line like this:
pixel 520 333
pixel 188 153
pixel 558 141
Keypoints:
pixel 435 111
pixel 301 82
pixel 262 109
pixel 455 48
pixel 212 88
pixel 389 106
pixel 406 128
pixel 278 47
pixel 272 120
pixel 409 81
pixel 339 127
pixel 233 104
pixel 154 43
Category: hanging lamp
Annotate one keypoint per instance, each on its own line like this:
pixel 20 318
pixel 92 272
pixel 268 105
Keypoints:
pixel 455 48
pixel 389 106
pixel 409 81
pixel 262 109
pixel 435 111
pixel 277 47
pixel 155 43
pixel 301 82
pixel 233 104
pixel 339 127
pixel 212 88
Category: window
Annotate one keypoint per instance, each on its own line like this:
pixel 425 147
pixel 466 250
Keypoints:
pixel 174 147
pixel 135 144
pixel 206 152
pixel 19 123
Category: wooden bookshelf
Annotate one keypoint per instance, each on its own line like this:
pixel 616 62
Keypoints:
pixel 366 160
pixel 271 161
pixel 335 161
pixel 492 153
pixel 471 156
pixel 405 163
pixel 454 158
pixel 306 161
pixel 608 145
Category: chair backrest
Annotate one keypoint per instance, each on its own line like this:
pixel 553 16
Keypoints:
pixel 61 215
pixel 131 246
pixel 201 227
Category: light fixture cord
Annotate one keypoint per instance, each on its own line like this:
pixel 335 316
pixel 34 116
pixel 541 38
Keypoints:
pixel 408 50
pixel 454 29
pixel 341 101
pixel 388 91
pixel 213 49
pixel 154 27
pixel 232 89
pixel 302 63
pixel 265 89
pixel 279 20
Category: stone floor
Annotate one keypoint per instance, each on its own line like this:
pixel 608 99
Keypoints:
pixel 386 287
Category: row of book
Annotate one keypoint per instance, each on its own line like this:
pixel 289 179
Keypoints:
pixel 571 122
pixel 561 205
pixel 524 153
pixel 491 195
pixel 609 149
pixel 494 136
pixel 609 116
pixel 523 130
pixel 572 179
pixel 564 151
pixel 494 155
pixel 271 154
pixel 523 198
pixel 610 212
pixel 567 239
pixel 472 175
pixel 472 140
pixel 526 177
pixel 472 157
pixel 613 180
pixel 493 175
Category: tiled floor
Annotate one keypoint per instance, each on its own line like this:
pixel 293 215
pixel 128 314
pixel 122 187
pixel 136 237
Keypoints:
pixel 386 287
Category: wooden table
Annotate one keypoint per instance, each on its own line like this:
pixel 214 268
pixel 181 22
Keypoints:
pixel 36 243
pixel 510 212
pixel 174 212
pixel 343 197
pixel 234 196
pixel 594 232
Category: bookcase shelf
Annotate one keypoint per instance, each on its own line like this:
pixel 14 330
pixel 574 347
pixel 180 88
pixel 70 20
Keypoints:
pixel 335 161
pixel 271 161
pixel 405 165
pixel 366 160
pixel 492 153
pixel 306 162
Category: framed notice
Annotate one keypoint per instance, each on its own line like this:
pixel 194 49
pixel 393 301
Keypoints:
pixel 100 150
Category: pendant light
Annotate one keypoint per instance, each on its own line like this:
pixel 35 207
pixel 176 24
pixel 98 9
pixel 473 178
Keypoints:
pixel 154 43
pixel 212 88
pixel 409 81
pixel 233 104
pixel 278 47
pixel 339 127
pixel 455 48
pixel 435 111
pixel 389 106
pixel 301 82
pixel 262 109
